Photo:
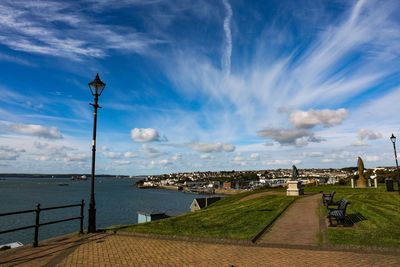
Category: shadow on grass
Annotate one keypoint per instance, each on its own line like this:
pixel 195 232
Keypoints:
pixel 351 220
pixel 354 218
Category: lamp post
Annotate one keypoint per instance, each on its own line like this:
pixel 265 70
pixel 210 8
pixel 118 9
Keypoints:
pixel 96 87
pixel 393 139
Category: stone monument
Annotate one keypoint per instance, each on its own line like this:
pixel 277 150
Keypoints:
pixel 294 185
pixel 361 181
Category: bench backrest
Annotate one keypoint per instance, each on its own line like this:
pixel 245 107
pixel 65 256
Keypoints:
pixel 343 204
pixel 327 199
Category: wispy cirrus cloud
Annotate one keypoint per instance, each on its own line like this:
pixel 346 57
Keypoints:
pixel 323 74
pixel 14 59
pixel 227 53
pixel 28 26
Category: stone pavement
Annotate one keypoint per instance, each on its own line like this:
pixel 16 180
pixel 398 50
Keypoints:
pixel 107 249
pixel 119 250
pixel 298 225
pixel 47 251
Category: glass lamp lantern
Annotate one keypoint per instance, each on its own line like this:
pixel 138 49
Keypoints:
pixel 393 138
pixel 97 86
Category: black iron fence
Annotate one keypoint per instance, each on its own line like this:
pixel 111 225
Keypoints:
pixel 37 224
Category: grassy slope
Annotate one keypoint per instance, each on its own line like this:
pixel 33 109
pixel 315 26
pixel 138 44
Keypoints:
pixel 381 211
pixel 227 218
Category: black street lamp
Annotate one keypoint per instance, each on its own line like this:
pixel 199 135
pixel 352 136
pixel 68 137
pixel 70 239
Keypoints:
pixel 96 87
pixel 393 139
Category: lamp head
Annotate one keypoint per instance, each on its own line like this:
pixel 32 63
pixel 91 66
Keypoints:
pixel 393 138
pixel 96 86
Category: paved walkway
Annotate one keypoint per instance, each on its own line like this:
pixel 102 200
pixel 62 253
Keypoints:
pixel 45 253
pixel 298 225
pixel 109 250
pixel 119 250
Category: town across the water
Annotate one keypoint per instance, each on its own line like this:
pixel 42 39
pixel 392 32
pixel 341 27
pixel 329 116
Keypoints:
pixel 214 182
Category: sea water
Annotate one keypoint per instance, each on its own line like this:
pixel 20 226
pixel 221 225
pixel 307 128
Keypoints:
pixel 117 203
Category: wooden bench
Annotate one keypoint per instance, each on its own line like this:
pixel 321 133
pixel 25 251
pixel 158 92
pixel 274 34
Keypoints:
pixel 327 199
pixel 339 213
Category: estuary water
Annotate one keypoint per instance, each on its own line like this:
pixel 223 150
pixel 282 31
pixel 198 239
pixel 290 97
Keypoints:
pixel 117 203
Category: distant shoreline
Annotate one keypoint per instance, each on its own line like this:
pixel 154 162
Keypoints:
pixel 175 188
pixel 33 176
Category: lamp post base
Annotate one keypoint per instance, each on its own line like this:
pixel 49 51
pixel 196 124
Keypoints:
pixel 92 220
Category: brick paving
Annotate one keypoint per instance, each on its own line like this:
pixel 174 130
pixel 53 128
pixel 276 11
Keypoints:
pixel 105 250
pixel 298 225
pixel 120 250
pixel 45 253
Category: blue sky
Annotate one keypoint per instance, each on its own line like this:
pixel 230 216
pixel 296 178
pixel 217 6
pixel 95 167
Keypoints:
pixel 198 85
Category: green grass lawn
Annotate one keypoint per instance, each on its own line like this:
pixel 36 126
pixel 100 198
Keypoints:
pixel 381 213
pixel 228 218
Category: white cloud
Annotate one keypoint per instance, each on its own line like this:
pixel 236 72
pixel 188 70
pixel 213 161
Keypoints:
pixel 43 158
pixel 282 162
pixel 78 157
pixel 359 143
pixel 212 147
pixel 150 151
pixel 145 135
pixel 297 137
pixel 276 162
pixel 40 145
pixel 226 59
pixel 312 154
pixel 112 155
pixel 35 130
pixel 239 159
pixel 9 153
pixel 297 161
pixel 372 158
pixel 176 157
pixel 122 162
pixel 162 163
pixel 367 134
pixel 311 118
pixel 206 156
pixel 130 154
pixel 255 156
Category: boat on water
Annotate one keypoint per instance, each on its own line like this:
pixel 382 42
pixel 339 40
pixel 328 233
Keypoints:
pixel 62 184
pixel 79 178
pixel 11 245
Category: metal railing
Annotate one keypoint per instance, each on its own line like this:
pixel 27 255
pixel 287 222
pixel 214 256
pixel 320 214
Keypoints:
pixel 37 224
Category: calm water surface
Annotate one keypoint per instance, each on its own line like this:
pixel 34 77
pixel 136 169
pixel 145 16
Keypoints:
pixel 117 202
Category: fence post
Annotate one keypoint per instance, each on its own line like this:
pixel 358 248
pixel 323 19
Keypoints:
pixel 82 206
pixel 37 224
